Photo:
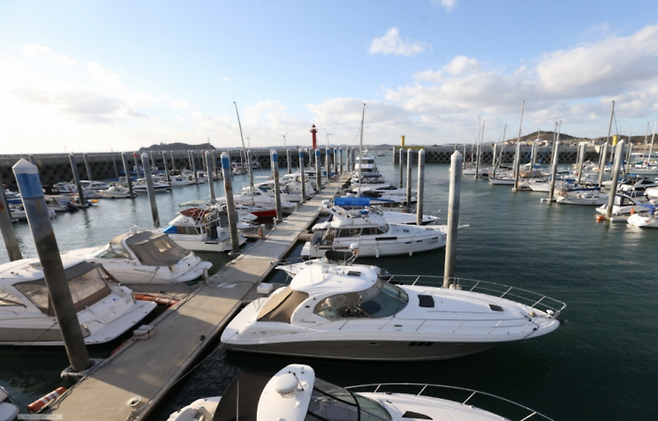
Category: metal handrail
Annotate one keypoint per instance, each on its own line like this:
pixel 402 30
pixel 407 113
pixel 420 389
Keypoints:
pixel 523 296
pixel 472 394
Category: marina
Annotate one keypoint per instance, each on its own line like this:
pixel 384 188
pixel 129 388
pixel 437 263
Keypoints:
pixel 599 365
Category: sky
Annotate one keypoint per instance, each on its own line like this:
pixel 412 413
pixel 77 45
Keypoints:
pixel 100 76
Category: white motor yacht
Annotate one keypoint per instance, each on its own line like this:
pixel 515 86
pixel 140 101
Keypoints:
pixel 624 206
pixel 200 229
pixel 105 308
pixel 94 185
pixel 584 196
pixel 159 185
pixel 296 394
pixel 260 200
pixel 372 235
pixel 116 191
pixel 355 313
pixel 294 183
pixel 355 205
pixel 647 218
pixel 145 257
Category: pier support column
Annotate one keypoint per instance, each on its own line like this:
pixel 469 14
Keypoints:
pixel 29 185
pixel 8 234
pixel 401 169
pixel 517 165
pixel 150 190
pixel 302 175
pixel 604 159
pixel 289 160
pixel 76 177
pixel 166 168
pixel 554 162
pixel 211 182
pixel 318 171
pixel 409 176
pixel 619 154
pixel 340 154
pixel 84 159
pixel 453 219
pixel 421 187
pixel 581 160
pixel 230 204
pixel 274 159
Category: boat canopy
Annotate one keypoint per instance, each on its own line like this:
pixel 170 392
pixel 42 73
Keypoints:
pixel 351 201
pixel 156 248
pixel 86 282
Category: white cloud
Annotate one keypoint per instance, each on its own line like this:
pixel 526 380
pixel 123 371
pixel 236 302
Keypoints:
pixel 226 79
pixel 37 51
pixel 180 104
pixel 391 43
pixel 571 85
pixel 448 4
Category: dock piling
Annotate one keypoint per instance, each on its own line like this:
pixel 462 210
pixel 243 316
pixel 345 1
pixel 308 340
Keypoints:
pixel 29 185
pixel 581 160
pixel 400 169
pixel 409 176
pixel 230 204
pixel 554 162
pixel 619 154
pixel 453 218
pixel 274 158
pixel 166 167
pixel 150 191
pixel 289 160
pixel 340 155
pixel 604 159
pixel 76 177
pixel 318 170
pixel 211 182
pixel 353 161
pixel 84 159
pixel 517 164
pixel 8 234
pixel 302 175
pixel 421 187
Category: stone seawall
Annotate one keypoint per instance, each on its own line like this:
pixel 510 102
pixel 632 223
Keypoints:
pixel 104 166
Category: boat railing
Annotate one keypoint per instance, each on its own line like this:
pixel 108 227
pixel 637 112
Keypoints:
pixel 532 299
pixel 482 400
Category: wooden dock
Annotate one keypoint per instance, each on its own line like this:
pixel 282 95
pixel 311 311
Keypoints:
pixel 129 384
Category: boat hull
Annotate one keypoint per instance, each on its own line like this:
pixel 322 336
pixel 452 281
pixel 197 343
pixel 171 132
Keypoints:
pixel 364 350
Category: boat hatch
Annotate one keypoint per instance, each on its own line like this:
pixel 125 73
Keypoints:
pixel 281 306
pixel 354 273
pixel 426 301
pixel 415 415
pixel 495 307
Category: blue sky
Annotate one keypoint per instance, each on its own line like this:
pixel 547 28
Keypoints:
pixel 81 76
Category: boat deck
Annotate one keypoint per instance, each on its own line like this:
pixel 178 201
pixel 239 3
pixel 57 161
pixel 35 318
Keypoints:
pixel 145 370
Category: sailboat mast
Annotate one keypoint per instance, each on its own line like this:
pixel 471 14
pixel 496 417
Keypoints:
pixel 247 157
pixel 517 162
pixel 363 116
pixel 651 147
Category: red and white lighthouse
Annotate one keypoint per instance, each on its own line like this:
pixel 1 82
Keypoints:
pixel 315 140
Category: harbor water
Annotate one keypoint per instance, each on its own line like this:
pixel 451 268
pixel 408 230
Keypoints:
pixel 602 364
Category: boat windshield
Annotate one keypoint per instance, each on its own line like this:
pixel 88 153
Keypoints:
pixel 8 299
pixel 330 402
pixel 381 300
pixel 112 251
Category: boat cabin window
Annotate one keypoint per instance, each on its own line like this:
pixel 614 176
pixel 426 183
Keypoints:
pixel 281 306
pixel 374 231
pixel 9 299
pixel 349 232
pixel 329 402
pixel 381 300
pixel 112 251
pixel 86 289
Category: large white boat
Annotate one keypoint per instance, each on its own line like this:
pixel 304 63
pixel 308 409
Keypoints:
pixel 355 205
pixel 354 313
pixel 159 185
pixel 294 393
pixel 624 206
pixel 116 191
pixel 94 185
pixel 200 229
pixel 105 308
pixel 644 219
pixel 145 257
pixel 370 233
pixel 584 197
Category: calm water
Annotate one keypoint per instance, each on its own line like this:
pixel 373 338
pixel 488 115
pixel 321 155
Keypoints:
pixel 602 365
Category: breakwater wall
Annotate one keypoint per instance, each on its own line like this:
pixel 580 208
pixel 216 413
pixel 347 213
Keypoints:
pixel 108 165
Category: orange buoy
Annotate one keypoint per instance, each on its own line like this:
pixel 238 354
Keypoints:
pixel 39 404
pixel 600 218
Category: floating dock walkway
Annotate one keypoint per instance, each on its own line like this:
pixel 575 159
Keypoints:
pixel 129 384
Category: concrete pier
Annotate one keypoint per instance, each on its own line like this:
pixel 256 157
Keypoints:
pixel 144 370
